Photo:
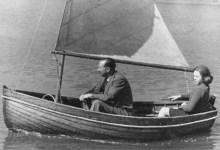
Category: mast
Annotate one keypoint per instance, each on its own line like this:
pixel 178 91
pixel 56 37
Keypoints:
pixel 60 77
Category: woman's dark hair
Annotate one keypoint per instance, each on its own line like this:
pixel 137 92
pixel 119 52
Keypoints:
pixel 109 62
pixel 205 73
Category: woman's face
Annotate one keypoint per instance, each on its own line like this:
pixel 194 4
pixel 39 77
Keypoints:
pixel 197 78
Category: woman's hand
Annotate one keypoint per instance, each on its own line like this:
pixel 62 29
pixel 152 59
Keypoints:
pixel 175 97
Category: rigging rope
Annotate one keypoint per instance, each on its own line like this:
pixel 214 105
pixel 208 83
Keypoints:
pixel 186 79
pixel 32 41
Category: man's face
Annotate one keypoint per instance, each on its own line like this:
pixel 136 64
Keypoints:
pixel 103 71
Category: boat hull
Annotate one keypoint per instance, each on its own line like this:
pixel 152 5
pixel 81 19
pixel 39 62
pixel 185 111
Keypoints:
pixel 26 112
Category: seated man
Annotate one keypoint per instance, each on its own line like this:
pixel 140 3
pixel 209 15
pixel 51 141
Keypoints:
pixel 112 94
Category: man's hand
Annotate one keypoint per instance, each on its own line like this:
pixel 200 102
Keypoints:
pixel 85 96
pixel 81 98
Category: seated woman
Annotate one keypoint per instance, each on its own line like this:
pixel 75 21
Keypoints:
pixel 198 99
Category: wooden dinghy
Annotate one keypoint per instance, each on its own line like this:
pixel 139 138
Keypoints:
pixel 29 111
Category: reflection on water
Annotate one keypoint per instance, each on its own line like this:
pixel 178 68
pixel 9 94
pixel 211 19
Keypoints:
pixel 35 141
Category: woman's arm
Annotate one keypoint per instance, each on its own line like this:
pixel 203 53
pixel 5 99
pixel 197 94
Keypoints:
pixel 196 95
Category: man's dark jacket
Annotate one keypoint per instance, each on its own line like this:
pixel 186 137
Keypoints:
pixel 117 91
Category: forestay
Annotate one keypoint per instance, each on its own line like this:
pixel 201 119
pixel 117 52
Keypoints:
pixel 128 30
